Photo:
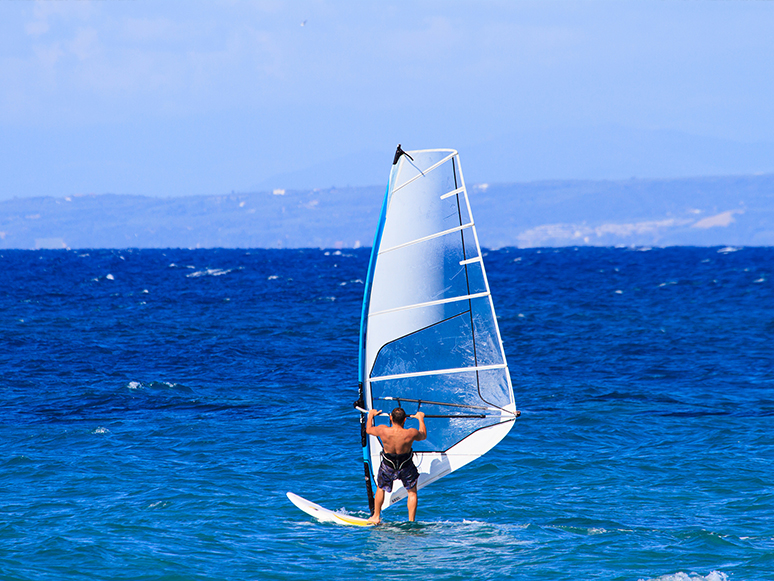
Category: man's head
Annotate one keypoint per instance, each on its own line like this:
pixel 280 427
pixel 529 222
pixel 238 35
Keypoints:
pixel 398 416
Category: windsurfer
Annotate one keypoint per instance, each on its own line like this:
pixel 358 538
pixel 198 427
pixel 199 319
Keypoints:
pixel 397 456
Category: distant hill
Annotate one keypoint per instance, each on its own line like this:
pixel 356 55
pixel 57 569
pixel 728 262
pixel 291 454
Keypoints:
pixel 735 210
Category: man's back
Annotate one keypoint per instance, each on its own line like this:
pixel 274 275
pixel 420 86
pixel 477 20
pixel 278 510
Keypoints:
pixel 397 439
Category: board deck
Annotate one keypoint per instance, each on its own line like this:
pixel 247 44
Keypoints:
pixel 325 515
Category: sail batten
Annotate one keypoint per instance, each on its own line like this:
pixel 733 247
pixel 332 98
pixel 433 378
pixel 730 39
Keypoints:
pixel 452 193
pixel 431 303
pixel 429 334
pixel 429 237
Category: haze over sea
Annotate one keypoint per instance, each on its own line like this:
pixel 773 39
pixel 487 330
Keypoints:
pixel 157 405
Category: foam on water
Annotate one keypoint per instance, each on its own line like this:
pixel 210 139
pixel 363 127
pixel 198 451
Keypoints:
pixel 713 576
pixel 209 272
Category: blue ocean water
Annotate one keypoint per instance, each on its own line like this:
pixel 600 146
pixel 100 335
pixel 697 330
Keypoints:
pixel 156 405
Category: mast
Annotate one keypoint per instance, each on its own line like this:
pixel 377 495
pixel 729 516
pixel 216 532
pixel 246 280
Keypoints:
pixel 361 402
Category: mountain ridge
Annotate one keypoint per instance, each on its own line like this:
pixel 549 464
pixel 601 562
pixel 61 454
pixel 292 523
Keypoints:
pixel 701 211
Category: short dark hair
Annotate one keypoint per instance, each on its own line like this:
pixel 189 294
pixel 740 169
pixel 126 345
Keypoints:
pixel 398 416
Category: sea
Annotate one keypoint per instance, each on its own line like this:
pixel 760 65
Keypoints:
pixel 157 405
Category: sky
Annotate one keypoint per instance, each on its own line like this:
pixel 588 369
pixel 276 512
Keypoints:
pixel 186 97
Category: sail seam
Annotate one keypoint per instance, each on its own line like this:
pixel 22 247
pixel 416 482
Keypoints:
pixel 467 277
pixel 429 237
pixel 439 372
pixel 431 303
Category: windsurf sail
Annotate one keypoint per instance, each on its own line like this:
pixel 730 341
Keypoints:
pixel 429 338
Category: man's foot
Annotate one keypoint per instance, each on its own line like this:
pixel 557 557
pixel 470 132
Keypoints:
pixel 375 520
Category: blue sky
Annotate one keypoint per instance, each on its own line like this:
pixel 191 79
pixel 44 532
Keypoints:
pixel 185 97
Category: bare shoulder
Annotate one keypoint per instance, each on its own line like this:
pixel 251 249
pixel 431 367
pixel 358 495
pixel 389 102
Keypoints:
pixel 377 430
pixel 417 435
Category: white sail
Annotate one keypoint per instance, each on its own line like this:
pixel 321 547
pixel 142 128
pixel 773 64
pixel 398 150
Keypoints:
pixel 429 335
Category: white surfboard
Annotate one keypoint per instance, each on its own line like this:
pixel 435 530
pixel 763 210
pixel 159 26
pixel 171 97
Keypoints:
pixel 324 515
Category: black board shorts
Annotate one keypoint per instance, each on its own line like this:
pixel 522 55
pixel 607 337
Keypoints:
pixel 407 474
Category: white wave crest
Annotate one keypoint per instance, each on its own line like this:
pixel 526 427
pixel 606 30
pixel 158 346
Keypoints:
pixel 209 272
pixel 713 576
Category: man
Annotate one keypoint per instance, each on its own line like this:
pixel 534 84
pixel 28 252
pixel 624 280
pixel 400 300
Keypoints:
pixel 397 460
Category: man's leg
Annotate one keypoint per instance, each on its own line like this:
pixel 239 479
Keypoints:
pixel 412 503
pixel 378 500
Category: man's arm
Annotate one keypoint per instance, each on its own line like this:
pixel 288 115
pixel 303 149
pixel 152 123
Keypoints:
pixel 422 431
pixel 371 429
